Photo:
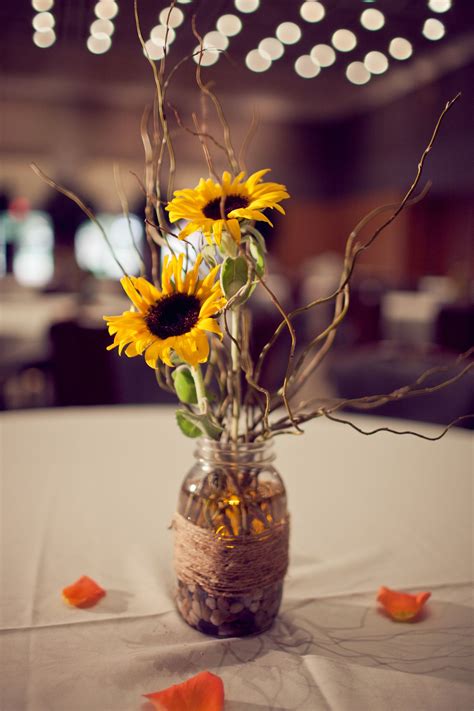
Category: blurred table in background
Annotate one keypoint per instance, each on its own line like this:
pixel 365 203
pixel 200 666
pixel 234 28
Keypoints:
pixel 92 491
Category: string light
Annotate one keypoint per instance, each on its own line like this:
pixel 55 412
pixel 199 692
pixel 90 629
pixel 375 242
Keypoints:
pixel 153 51
pixel 44 39
pixel 247 5
pixel 162 35
pixel 312 11
pixel 323 54
pixel 433 29
pixel 42 5
pixel 306 68
pixel 171 17
pixel 229 25
pixel 99 45
pixel 43 21
pixel 256 63
pixel 372 19
pixel 400 48
pixel 344 40
pixel 106 9
pixel 271 48
pixel 288 33
pixel 215 40
pixel 205 57
pixel 376 62
pixel 440 5
pixel 357 73
pixel 99 28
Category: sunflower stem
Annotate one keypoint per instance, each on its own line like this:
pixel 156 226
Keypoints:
pixel 235 357
pixel 200 388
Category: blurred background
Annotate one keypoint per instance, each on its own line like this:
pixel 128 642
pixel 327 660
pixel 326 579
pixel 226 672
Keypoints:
pixel 345 93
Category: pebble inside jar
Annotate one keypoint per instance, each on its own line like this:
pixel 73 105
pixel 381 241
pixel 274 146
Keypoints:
pixel 231 540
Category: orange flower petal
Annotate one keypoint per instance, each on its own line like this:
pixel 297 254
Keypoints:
pixel 85 592
pixel 403 607
pixel 203 692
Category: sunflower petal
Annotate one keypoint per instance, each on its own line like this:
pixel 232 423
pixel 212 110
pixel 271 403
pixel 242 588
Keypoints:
pixel 234 229
pixel 210 324
pixel 203 692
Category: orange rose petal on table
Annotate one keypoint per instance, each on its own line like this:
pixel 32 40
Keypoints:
pixel 85 592
pixel 403 607
pixel 203 692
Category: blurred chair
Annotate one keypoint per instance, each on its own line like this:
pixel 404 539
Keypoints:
pixel 377 370
pixel 84 373
pixel 454 327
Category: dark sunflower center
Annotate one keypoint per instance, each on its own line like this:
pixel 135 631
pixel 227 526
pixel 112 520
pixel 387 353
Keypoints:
pixel 232 202
pixel 173 315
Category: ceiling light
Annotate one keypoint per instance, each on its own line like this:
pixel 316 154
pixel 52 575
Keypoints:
pixel 306 68
pixel 106 9
pixel 99 28
pixel 184 2
pixel 344 40
pixel 171 17
pixel 256 63
pixel 152 51
pixel 440 5
pixel 372 19
pixel 229 25
pixel 42 5
pixel 206 57
pixel 433 29
pixel 99 45
pixel 162 35
pixel 44 39
pixel 271 48
pixel 312 11
pixel 43 21
pixel 247 5
pixel 400 48
pixel 215 40
pixel 288 33
pixel 376 62
pixel 357 73
pixel 323 54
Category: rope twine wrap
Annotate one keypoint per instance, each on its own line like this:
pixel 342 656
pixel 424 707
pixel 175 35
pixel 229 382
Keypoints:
pixel 230 566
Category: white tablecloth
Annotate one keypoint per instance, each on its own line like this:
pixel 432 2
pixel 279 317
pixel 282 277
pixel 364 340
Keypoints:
pixel 93 491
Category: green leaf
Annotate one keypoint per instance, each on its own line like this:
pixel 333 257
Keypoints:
pixel 228 247
pixel 257 236
pixel 194 425
pixel 234 274
pixel 258 256
pixel 186 426
pixel 209 255
pixel 184 385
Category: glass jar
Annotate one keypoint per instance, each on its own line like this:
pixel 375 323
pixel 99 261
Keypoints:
pixel 232 502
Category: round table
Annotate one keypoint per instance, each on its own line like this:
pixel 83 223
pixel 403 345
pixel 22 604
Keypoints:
pixel 92 492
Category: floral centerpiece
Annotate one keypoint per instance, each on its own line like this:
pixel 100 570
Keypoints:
pixel 191 321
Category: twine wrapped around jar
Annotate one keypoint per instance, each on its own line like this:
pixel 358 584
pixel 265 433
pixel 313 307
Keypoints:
pixel 230 566
pixel 231 539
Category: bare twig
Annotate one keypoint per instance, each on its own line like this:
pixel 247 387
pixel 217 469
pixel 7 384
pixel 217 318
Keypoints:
pixel 86 210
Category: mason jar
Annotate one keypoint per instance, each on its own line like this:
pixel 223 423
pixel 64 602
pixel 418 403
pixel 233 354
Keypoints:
pixel 231 539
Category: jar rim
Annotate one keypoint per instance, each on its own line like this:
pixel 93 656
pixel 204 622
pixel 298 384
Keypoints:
pixel 232 447
pixel 232 454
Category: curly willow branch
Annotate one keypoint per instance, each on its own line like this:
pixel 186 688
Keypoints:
pixel 217 105
pixel 361 248
pixel 370 402
pixel 160 103
pixel 400 432
pixel 86 210
pixel 345 278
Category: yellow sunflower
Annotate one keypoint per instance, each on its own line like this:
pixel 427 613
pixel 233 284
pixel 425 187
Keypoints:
pixel 211 207
pixel 174 318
